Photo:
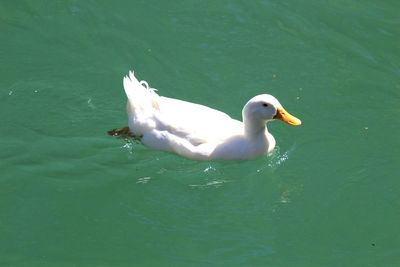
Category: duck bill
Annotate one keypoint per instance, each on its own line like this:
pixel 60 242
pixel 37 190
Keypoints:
pixel 283 115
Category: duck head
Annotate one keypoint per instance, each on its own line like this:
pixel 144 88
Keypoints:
pixel 263 108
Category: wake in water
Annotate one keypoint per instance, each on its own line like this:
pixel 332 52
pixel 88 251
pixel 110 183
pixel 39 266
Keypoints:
pixel 276 159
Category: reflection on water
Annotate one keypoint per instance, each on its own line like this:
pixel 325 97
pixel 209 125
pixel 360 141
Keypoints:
pixel 213 178
pixel 143 180
pixel 277 158
pixel 130 145
pixel 208 184
pixel 203 174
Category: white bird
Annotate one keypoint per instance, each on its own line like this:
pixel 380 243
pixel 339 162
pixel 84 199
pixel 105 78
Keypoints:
pixel 198 132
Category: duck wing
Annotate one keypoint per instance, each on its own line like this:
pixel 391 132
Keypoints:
pixel 196 123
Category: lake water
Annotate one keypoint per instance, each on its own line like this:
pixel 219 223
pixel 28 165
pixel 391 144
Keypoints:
pixel 70 195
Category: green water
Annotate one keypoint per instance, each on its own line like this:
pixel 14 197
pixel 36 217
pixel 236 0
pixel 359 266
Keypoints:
pixel 72 196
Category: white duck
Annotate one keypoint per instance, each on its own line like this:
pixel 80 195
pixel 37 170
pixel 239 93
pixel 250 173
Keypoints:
pixel 199 132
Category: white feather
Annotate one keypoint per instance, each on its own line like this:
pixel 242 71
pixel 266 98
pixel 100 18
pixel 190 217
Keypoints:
pixel 196 131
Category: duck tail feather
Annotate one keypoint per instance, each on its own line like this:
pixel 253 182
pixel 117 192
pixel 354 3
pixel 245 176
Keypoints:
pixel 139 93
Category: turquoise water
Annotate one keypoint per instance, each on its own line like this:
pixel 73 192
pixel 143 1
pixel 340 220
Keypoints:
pixel 72 196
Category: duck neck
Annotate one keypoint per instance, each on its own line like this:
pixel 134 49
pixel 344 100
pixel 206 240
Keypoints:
pixel 253 128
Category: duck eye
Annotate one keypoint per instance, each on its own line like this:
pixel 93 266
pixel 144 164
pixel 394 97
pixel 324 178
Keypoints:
pixel 265 104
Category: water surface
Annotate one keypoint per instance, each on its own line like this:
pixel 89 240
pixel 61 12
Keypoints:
pixel 72 196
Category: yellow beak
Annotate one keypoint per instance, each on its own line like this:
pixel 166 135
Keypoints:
pixel 282 114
